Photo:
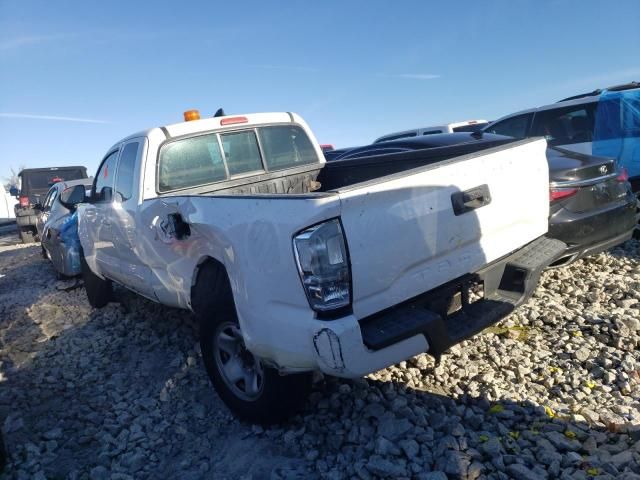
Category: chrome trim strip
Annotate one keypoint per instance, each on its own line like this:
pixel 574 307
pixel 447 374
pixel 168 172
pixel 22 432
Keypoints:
pixel 583 183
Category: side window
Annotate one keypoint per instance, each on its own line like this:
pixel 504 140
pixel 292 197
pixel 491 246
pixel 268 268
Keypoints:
pixel 474 127
pixel 241 152
pixel 515 127
pixel 563 126
pixel 103 186
pixel 190 162
pixel 126 167
pixel 286 146
pixel 431 132
pixel 48 202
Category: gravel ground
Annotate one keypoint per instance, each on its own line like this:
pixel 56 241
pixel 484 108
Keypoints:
pixel 551 392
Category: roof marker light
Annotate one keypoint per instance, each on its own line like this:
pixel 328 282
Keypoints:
pixel 233 120
pixel 190 115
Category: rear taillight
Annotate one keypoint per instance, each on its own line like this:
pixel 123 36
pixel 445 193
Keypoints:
pixel 623 176
pixel 323 264
pixel 560 193
pixel 24 201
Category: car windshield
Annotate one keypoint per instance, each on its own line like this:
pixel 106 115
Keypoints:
pixel 617 125
pixel 618 115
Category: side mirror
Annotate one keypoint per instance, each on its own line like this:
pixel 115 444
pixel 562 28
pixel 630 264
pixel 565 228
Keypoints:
pixel 13 191
pixel 72 196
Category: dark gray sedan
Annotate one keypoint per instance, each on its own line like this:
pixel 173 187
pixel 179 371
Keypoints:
pixel 57 227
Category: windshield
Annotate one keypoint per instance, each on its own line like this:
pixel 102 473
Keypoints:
pixel 617 128
pixel 618 115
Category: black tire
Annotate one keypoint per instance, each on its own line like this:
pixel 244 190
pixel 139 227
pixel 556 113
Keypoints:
pixel 99 291
pixel 278 396
pixel 27 235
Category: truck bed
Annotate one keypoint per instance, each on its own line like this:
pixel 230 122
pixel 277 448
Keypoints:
pixel 341 173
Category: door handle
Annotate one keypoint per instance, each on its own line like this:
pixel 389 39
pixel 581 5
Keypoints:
pixel 471 199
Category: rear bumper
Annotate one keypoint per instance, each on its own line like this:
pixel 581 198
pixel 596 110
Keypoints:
pixel 607 244
pixel 592 232
pixel 26 217
pixel 434 321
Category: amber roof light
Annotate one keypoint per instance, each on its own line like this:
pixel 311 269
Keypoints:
pixel 190 115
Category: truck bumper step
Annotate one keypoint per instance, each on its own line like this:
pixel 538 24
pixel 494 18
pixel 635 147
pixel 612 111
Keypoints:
pixel 448 315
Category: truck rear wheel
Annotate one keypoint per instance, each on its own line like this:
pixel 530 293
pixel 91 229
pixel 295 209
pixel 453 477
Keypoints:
pixel 99 291
pixel 252 390
pixel 27 235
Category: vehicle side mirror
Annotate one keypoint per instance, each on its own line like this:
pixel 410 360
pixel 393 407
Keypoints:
pixel 13 191
pixel 70 197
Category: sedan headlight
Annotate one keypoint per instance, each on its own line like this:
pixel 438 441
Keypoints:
pixel 323 263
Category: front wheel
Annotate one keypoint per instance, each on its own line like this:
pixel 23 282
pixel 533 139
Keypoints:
pixel 252 390
pixel 99 291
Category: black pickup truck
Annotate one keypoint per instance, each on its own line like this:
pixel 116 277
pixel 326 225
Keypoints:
pixel 592 207
pixel 34 183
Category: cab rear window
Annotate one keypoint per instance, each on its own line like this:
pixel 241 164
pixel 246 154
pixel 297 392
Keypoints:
pixel 286 147
pixel 190 162
pixel 215 157
pixel 42 180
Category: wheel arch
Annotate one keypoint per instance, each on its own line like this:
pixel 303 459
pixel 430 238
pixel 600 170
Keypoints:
pixel 224 292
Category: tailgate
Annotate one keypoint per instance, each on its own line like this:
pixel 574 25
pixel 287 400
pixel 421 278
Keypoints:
pixel 405 238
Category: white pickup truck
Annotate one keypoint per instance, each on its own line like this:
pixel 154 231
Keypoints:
pixel 232 218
